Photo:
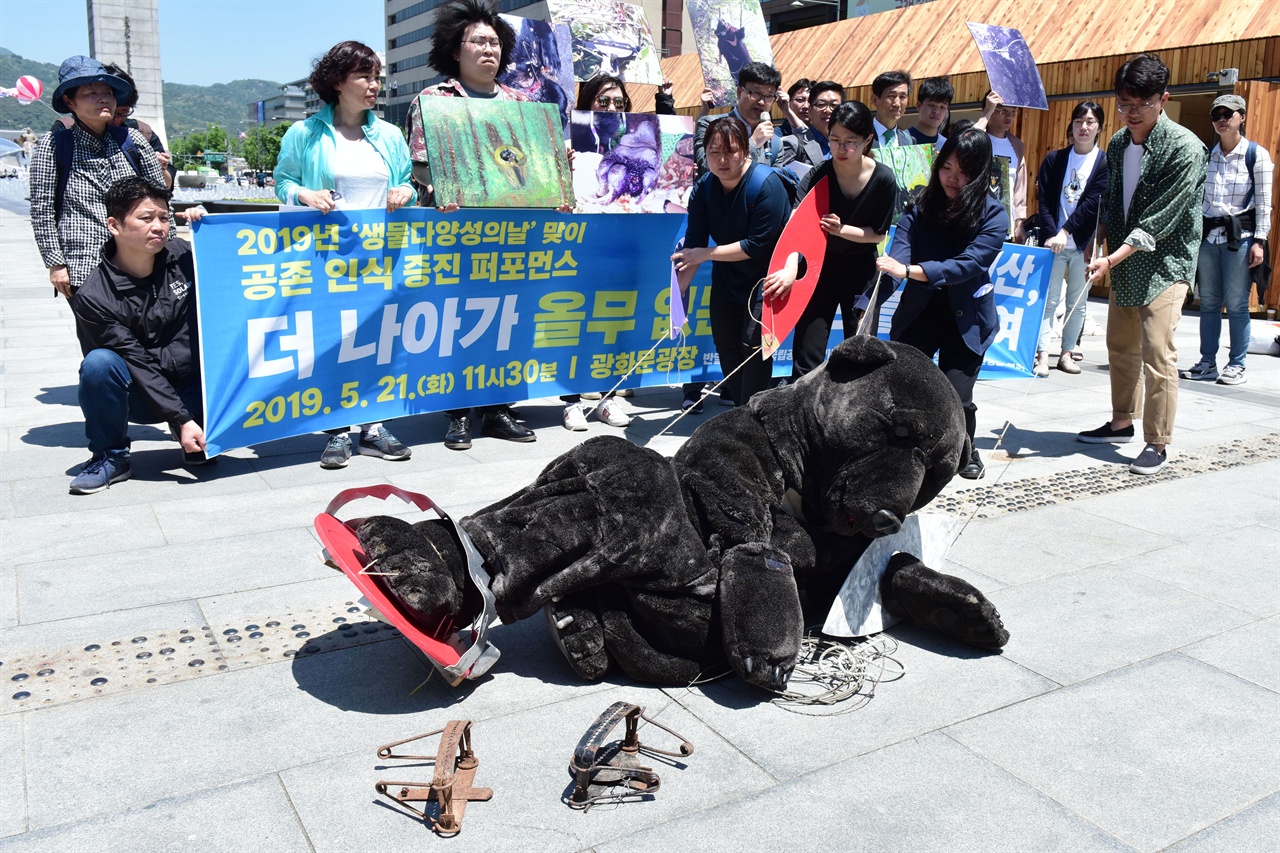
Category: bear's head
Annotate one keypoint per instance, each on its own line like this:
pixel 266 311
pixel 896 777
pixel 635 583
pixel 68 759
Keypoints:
pixel 871 436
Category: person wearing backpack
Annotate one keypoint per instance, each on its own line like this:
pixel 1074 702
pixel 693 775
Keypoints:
pixel 72 169
pixel 1237 222
pixel 743 206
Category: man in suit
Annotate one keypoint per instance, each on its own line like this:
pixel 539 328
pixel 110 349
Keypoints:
pixel 889 94
pixel 758 85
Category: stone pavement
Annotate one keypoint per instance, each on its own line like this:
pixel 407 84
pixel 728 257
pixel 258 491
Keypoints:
pixel 198 680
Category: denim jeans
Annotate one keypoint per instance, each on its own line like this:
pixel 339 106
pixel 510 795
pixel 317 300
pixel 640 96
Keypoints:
pixel 1069 263
pixel 110 402
pixel 1224 280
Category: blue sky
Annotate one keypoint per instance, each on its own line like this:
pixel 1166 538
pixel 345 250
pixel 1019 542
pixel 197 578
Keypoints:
pixel 206 41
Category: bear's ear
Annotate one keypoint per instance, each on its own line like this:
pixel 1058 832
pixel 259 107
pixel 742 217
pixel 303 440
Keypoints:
pixel 862 351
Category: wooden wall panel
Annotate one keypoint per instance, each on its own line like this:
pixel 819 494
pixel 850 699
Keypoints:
pixel 1263 127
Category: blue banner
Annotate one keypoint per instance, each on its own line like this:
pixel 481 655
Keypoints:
pixel 311 322
pixel 1020 278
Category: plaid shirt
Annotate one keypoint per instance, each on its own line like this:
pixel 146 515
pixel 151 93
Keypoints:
pixel 1228 183
pixel 77 236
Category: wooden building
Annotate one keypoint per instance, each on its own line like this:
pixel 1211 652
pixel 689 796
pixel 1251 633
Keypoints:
pixel 1078 45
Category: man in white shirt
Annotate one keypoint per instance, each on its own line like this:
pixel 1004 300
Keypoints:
pixel 996 121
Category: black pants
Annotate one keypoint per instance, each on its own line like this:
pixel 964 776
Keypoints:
pixel 481 411
pixel 934 332
pixel 736 330
pixel 843 279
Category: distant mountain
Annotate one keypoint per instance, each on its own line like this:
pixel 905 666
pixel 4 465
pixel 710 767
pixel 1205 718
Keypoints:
pixel 186 108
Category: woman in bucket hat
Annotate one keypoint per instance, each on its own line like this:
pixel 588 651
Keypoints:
pixel 72 169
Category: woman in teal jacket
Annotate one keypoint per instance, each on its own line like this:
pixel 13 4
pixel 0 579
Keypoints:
pixel 344 157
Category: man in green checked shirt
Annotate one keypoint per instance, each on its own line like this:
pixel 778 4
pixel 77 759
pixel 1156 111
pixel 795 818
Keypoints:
pixel 1150 219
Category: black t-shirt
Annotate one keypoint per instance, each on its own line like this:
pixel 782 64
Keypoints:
pixel 732 217
pixel 872 208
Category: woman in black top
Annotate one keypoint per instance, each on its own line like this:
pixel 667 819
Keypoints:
pixel 863 194
pixel 745 216
pixel 943 250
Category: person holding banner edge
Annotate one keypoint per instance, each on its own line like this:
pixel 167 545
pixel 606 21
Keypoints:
pixel 943 249
pixel 345 157
pixel 745 215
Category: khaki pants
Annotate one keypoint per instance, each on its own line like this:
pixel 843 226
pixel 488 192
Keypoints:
pixel 1140 346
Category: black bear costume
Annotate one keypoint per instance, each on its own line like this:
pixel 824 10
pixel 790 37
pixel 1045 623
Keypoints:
pixel 667 566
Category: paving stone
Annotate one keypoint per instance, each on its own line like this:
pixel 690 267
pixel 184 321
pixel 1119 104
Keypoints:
pixel 8 596
pixel 1253 830
pixel 1248 651
pixel 1151 753
pixel 523 758
pixel 317 707
pixel 60 635
pixel 45 537
pixel 1077 625
pixel 119 580
pixel 1239 567
pixel 922 794
pixel 252 815
pixel 13 791
pixel 1028 546
pixel 788 744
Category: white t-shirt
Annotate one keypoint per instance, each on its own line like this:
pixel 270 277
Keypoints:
pixel 359 175
pixel 1002 147
pixel 1132 173
pixel 1079 168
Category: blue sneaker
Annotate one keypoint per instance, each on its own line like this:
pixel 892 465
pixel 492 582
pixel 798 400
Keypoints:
pixel 99 474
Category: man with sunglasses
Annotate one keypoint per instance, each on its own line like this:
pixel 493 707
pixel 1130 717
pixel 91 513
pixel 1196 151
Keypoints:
pixel 1150 220
pixel 758 85
pixel 1237 221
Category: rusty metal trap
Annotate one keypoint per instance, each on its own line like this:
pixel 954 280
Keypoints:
pixel 611 772
pixel 450 789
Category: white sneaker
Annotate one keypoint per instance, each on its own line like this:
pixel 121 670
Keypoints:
pixel 574 418
pixel 610 412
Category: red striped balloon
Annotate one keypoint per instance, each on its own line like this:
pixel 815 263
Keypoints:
pixel 29 89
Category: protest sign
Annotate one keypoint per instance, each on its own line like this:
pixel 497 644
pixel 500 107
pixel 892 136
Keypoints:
pixel 1011 69
pixel 911 165
pixel 632 162
pixel 729 34
pixel 311 322
pixel 541 66
pixel 609 37
pixel 496 153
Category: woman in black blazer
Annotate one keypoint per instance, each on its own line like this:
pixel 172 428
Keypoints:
pixel 1068 191
pixel 944 248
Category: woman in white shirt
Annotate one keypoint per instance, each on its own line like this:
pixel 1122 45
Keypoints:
pixel 1068 191
pixel 344 157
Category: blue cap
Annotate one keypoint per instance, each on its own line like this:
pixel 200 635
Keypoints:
pixel 81 71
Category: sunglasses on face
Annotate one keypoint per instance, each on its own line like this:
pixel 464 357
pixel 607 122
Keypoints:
pixel 1221 115
pixel 605 102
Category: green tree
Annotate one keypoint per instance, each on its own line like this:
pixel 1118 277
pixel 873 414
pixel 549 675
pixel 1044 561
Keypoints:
pixel 262 146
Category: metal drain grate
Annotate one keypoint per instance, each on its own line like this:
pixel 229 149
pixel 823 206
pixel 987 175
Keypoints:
pixel 1031 493
pixel 163 657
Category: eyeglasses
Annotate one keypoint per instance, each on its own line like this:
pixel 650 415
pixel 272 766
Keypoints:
pixel 825 106
pixel 616 103
pixel 1221 115
pixel 1128 108
pixel 480 43
pixel 845 146
pixel 760 97
pixel 1008 112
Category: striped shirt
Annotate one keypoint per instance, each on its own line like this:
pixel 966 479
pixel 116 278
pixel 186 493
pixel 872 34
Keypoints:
pixel 77 236
pixel 1228 183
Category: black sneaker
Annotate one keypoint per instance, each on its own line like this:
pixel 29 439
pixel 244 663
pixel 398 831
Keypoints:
pixel 337 452
pixel 1106 435
pixel 194 460
pixel 459 435
pixel 1149 461
pixel 973 469
pixel 381 443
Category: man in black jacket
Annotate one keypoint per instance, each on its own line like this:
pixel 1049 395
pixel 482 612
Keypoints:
pixel 136 320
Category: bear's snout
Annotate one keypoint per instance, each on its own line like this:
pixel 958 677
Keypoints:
pixel 886 523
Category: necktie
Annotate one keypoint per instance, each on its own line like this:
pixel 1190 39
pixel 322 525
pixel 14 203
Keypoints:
pixel 890 138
